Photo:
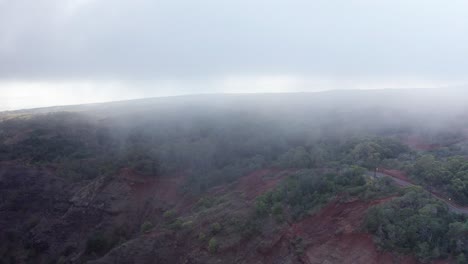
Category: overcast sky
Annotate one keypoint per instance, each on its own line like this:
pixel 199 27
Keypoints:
pixel 55 52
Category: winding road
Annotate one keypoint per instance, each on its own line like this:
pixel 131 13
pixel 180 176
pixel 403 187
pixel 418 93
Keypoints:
pixel 456 208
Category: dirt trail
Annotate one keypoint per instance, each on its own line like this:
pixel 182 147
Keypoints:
pixel 402 181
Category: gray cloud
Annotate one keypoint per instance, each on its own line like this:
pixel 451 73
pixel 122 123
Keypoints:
pixel 322 41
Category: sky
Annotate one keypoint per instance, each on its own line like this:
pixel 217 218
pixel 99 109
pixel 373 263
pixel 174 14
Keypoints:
pixel 58 52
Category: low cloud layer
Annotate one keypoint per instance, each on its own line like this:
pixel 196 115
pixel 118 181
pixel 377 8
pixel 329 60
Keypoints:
pixel 154 48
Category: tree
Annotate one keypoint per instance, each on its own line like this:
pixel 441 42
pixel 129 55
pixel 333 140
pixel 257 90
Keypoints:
pixel 213 245
pixel 367 154
pixel 146 226
pixel 215 228
pixel 296 158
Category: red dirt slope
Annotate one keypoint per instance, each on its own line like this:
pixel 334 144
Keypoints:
pixel 417 143
pixel 395 173
pixel 259 182
pixel 254 184
pixel 334 236
pixel 167 188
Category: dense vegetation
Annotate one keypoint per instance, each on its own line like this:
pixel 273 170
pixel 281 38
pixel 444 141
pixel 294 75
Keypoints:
pixel 210 149
pixel 307 190
pixel 417 223
pixel 446 175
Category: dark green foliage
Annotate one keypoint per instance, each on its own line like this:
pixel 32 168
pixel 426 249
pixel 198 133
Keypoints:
pixel 448 175
pixel 213 245
pixel 146 226
pixel 461 259
pixel 298 245
pixel 215 228
pixel 47 138
pixel 370 153
pixel 97 244
pixel 174 222
pixel 142 160
pixel 177 224
pixel 47 149
pixel 201 236
pixel 262 206
pixel 296 158
pixel 203 178
pixel 169 214
pixel 213 149
pixel 277 209
pixel 417 223
pixel 250 227
pixel 379 187
pixel 306 190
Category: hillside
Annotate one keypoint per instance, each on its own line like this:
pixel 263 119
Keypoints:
pixel 261 178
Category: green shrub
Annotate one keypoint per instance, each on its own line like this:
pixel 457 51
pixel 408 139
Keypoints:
pixel 308 190
pixel 215 228
pixel 298 246
pixel 201 236
pixel 146 226
pixel 177 224
pixel 205 203
pixel 213 245
pixel 187 224
pixel 97 244
pixel 169 214
pixel 251 227
pixel 277 209
pixel 419 224
pixel 261 208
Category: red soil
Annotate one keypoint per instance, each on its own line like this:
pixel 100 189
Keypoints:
pixel 395 173
pixel 164 188
pixel 334 235
pixel 417 143
pixel 259 182
pixel 254 184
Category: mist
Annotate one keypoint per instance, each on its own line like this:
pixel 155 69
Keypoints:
pixel 118 176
